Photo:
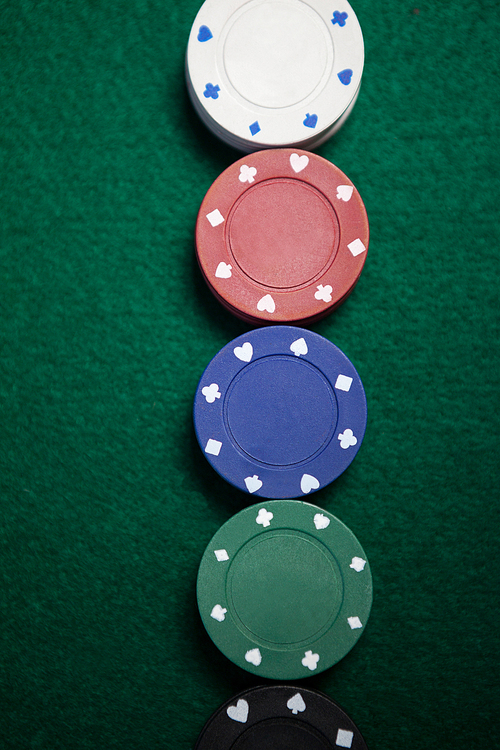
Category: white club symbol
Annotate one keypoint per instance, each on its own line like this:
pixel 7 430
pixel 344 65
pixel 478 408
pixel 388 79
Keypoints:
pixel 324 293
pixel 358 564
pixel 211 392
pixel 247 174
pixel 347 439
pixel 310 660
pixel 264 517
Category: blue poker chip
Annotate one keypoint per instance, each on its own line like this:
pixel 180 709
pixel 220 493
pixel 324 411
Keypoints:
pixel 280 412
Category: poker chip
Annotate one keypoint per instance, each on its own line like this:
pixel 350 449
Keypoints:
pixel 280 717
pixel 282 237
pixel 274 73
pixel 280 412
pixel 284 589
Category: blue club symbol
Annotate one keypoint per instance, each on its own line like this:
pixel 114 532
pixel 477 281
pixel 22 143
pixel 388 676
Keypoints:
pixel 204 34
pixel 345 76
pixel 339 18
pixel 310 121
pixel 254 128
pixel 211 91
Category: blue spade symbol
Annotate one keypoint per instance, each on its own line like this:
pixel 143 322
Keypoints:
pixel 345 76
pixel 204 34
pixel 310 121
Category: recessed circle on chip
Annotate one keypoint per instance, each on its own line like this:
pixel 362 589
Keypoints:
pixel 274 73
pixel 282 237
pixel 280 412
pixel 284 589
pixel 280 717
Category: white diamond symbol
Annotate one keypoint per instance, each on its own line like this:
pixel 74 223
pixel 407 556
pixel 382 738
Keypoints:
pixel 354 623
pixel 221 555
pixel 343 383
pixel 213 447
pixel 356 247
pixel 215 218
pixel 344 738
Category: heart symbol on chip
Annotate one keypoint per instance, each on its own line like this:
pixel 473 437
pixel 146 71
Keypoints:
pixel 345 76
pixel 299 347
pixel 308 483
pixel 296 704
pixel 223 270
pixel 266 304
pixel 321 521
pixel 299 163
pixel 239 712
pixel 204 34
pixel 253 657
pixel 253 483
pixel 244 352
pixel 344 192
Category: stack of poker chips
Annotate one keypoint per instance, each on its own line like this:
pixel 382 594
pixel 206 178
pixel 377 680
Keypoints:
pixel 284 588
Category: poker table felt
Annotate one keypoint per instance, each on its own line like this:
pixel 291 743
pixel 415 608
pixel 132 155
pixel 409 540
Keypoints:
pixel 106 501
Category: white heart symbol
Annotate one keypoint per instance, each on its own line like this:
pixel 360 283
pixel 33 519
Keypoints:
pixel 296 704
pixel 223 270
pixel 253 483
pixel 321 521
pixel 308 483
pixel 253 657
pixel 267 304
pixel 239 712
pixel 299 162
pixel 299 347
pixel 245 352
pixel 344 192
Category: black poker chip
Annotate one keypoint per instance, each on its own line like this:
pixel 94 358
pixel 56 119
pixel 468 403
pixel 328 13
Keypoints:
pixel 280 717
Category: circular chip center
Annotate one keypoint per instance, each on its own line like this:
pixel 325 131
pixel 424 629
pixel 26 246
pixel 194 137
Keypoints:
pixel 281 410
pixel 285 588
pixel 276 53
pixel 283 233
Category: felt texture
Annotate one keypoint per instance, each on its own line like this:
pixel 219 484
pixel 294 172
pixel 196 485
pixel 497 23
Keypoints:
pixel 106 501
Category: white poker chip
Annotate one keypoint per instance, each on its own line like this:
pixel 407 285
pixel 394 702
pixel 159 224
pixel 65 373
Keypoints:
pixel 272 73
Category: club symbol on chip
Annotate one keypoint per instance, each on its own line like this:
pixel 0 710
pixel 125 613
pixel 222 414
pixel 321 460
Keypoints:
pixel 264 517
pixel 339 18
pixel 239 712
pixel 299 347
pixel 253 657
pixel 266 304
pixel 324 293
pixel 223 270
pixel 308 483
pixel 321 521
pixel 347 439
pixel 218 613
pixel 211 91
pixel 310 660
pixel 204 34
pixel 344 192
pixel 354 623
pixel 211 392
pixel 344 738
pixel 244 352
pixel 247 174
pixel 358 564
pixel 298 163
pixel 296 704
pixel 253 483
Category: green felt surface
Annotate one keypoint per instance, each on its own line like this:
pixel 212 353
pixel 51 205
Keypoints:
pixel 106 501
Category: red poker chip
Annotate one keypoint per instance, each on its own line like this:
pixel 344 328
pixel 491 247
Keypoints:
pixel 281 237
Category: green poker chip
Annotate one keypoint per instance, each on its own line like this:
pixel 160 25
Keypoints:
pixel 284 589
